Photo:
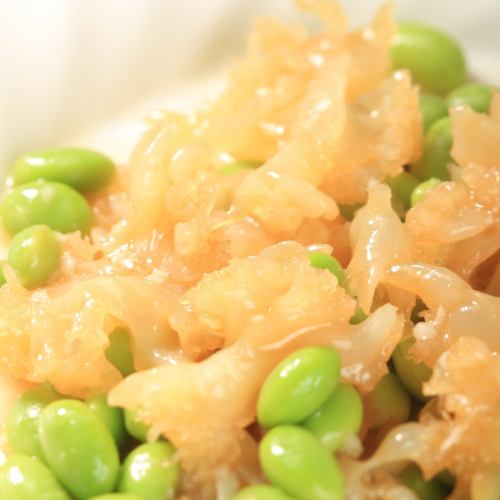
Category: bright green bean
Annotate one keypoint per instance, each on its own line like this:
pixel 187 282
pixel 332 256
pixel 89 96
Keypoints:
pixel 402 186
pixel 233 168
pixel 118 496
pixel 43 202
pixel 119 351
pixel 434 58
pixel 151 471
pixel 22 422
pixel 260 492
pixel 436 152
pixel 82 169
pixel 34 255
pixel 475 95
pixel 111 416
pixel 298 386
pixel 26 478
pixel 135 427
pixel 390 402
pixel 296 462
pixel 411 373
pixel 324 261
pixel 432 108
pixel 412 478
pixel 420 192
pixel 338 418
pixel 79 448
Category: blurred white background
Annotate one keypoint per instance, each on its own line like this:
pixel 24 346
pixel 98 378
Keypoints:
pixel 67 66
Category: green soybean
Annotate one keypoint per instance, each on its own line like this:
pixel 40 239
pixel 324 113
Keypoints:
pixel 151 471
pixel 338 418
pixel 44 202
pixel 111 416
pixel 298 386
pixel 412 478
pixel 118 496
pixel 358 317
pixel 411 373
pixel 135 427
pixel 475 95
pixel 34 254
pixel 446 478
pixel 349 211
pixel 22 422
pixel 2 275
pixel 402 186
pixel 78 448
pixel 436 152
pixel 119 351
pixel 324 261
pixel 420 192
pixel 435 60
pixel 296 462
pixel 238 166
pixel 390 402
pixel 260 492
pixel 432 108
pixel 82 169
pixel 26 478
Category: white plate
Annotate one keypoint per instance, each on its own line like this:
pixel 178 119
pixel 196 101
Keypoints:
pixel 86 70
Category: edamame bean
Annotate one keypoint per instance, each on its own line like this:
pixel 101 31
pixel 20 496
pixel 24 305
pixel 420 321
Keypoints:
pixel 389 401
pixel 260 492
pixel 112 417
pixel 26 478
pixel 82 169
pixel 296 462
pixel 436 152
pixel 412 478
pixel 298 386
pixel 435 60
pixel 475 95
pixel 118 496
pixel 2 275
pixel 119 351
pixel 151 471
pixel 44 202
pixel 324 261
pixel 349 211
pixel 338 418
pixel 432 108
pixel 446 478
pixel 22 422
pixel 135 427
pixel 402 186
pixel 358 317
pixel 411 373
pixel 78 448
pixel 34 255
pixel 420 192
pixel 235 167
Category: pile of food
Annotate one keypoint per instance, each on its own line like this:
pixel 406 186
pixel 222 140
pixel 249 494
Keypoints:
pixel 293 293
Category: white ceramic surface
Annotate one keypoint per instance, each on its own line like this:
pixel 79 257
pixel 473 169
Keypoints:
pixel 82 68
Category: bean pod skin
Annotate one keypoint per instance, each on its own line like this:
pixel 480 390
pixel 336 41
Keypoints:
pixel 78 448
pixel 435 60
pixel 339 417
pixel 296 462
pixel 22 422
pixel 44 202
pixel 26 478
pixel 298 386
pixel 260 492
pixel 151 471
pixel 34 255
pixel 82 169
